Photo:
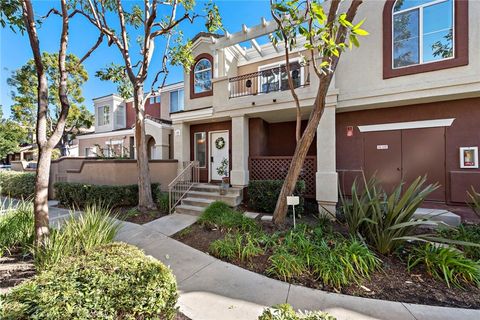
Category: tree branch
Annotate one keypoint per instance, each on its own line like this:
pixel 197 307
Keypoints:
pixel 95 46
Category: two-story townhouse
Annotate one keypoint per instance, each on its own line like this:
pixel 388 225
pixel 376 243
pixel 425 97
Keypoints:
pixel 114 134
pixel 406 103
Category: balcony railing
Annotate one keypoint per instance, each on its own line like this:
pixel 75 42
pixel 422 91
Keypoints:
pixel 269 80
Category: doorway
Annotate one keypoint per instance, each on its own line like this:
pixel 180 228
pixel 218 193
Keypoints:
pixel 407 154
pixel 219 151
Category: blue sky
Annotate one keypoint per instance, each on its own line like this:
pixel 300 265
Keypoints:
pixel 15 49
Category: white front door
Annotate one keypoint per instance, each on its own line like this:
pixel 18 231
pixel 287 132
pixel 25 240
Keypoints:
pixel 219 146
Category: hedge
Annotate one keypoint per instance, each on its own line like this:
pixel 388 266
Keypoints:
pixel 79 194
pixel 263 195
pixel 114 281
pixel 17 184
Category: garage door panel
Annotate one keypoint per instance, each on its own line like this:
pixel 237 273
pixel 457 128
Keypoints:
pixel 423 153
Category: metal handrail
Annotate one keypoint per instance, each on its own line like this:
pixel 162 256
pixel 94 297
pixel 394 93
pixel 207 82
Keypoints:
pixel 183 182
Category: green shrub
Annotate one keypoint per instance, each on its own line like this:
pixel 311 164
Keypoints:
pixel 80 195
pixel 17 184
pixel 163 201
pixel 114 281
pixel 286 312
pixel 386 220
pixel 16 227
pixel 465 233
pixel 263 195
pixel 220 215
pixel 447 264
pixel 79 234
pixel 236 246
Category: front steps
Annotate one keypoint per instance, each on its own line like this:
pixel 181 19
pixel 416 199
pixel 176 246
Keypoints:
pixel 201 195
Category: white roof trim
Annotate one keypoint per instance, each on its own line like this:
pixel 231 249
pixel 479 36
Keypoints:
pixel 407 125
pixel 192 114
pixel 105 134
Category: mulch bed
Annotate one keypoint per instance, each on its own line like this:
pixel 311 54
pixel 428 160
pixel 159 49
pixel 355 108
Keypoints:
pixel 138 217
pixel 392 283
pixel 14 269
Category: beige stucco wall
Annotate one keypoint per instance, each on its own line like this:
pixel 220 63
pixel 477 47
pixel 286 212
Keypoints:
pixel 360 72
pixel 109 172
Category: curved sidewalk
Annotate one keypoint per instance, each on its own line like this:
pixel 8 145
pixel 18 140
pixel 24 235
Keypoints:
pixel 212 289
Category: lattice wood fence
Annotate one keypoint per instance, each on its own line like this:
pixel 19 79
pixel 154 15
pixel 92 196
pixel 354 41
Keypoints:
pixel 276 168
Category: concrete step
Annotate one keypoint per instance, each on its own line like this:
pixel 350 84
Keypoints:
pixel 203 187
pixel 231 200
pixel 445 216
pixel 190 210
pixel 197 202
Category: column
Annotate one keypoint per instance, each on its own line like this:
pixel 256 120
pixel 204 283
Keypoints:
pixel 240 151
pixel 326 176
pixel 181 143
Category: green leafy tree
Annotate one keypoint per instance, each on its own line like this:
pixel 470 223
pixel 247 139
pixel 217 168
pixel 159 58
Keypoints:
pixel 328 32
pixel 12 135
pixel 20 16
pixel 119 21
pixel 23 82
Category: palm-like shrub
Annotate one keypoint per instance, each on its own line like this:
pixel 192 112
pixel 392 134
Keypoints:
pixel 386 220
pixel 474 201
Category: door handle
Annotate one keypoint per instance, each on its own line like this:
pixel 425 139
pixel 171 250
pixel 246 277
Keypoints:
pixel 398 169
pixel 211 159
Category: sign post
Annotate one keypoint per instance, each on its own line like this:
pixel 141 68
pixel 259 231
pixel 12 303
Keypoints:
pixel 293 201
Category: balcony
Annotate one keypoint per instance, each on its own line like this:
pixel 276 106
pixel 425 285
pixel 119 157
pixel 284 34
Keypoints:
pixel 269 80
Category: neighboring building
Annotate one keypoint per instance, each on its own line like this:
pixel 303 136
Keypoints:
pixel 114 134
pixel 401 105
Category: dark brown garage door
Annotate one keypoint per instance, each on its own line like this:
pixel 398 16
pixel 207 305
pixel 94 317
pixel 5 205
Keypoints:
pixel 408 154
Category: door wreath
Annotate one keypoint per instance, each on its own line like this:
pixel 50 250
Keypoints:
pixel 220 143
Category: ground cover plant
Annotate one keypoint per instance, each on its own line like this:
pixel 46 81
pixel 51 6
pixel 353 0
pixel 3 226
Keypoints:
pixel 16 228
pixel 113 281
pixel 447 264
pixel 17 184
pixel 77 235
pixel 286 312
pixel 263 195
pixel 465 233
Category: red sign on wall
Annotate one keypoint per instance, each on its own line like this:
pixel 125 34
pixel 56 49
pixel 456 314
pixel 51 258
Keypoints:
pixel 349 131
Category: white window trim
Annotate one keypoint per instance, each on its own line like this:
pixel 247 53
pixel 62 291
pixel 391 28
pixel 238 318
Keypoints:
pixel 178 99
pixel 420 32
pixel 201 71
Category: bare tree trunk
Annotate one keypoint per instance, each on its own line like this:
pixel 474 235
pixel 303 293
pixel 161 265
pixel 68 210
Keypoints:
pixel 145 199
pixel 299 157
pixel 41 195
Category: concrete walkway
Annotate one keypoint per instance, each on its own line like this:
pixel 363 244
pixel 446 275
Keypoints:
pixel 212 289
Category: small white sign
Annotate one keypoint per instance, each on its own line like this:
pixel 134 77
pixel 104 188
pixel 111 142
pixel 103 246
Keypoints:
pixel 178 132
pixel 293 201
pixel 382 146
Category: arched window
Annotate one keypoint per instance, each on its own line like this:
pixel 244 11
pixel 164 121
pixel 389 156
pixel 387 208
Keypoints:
pixel 202 75
pixel 424 35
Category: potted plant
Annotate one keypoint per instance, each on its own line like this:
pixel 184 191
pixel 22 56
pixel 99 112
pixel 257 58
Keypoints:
pixel 223 171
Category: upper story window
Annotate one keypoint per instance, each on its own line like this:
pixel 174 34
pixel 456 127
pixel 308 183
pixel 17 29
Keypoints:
pixel 424 35
pixel 155 99
pixel 103 115
pixel 201 77
pixel 423 31
pixel 120 116
pixel 176 100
